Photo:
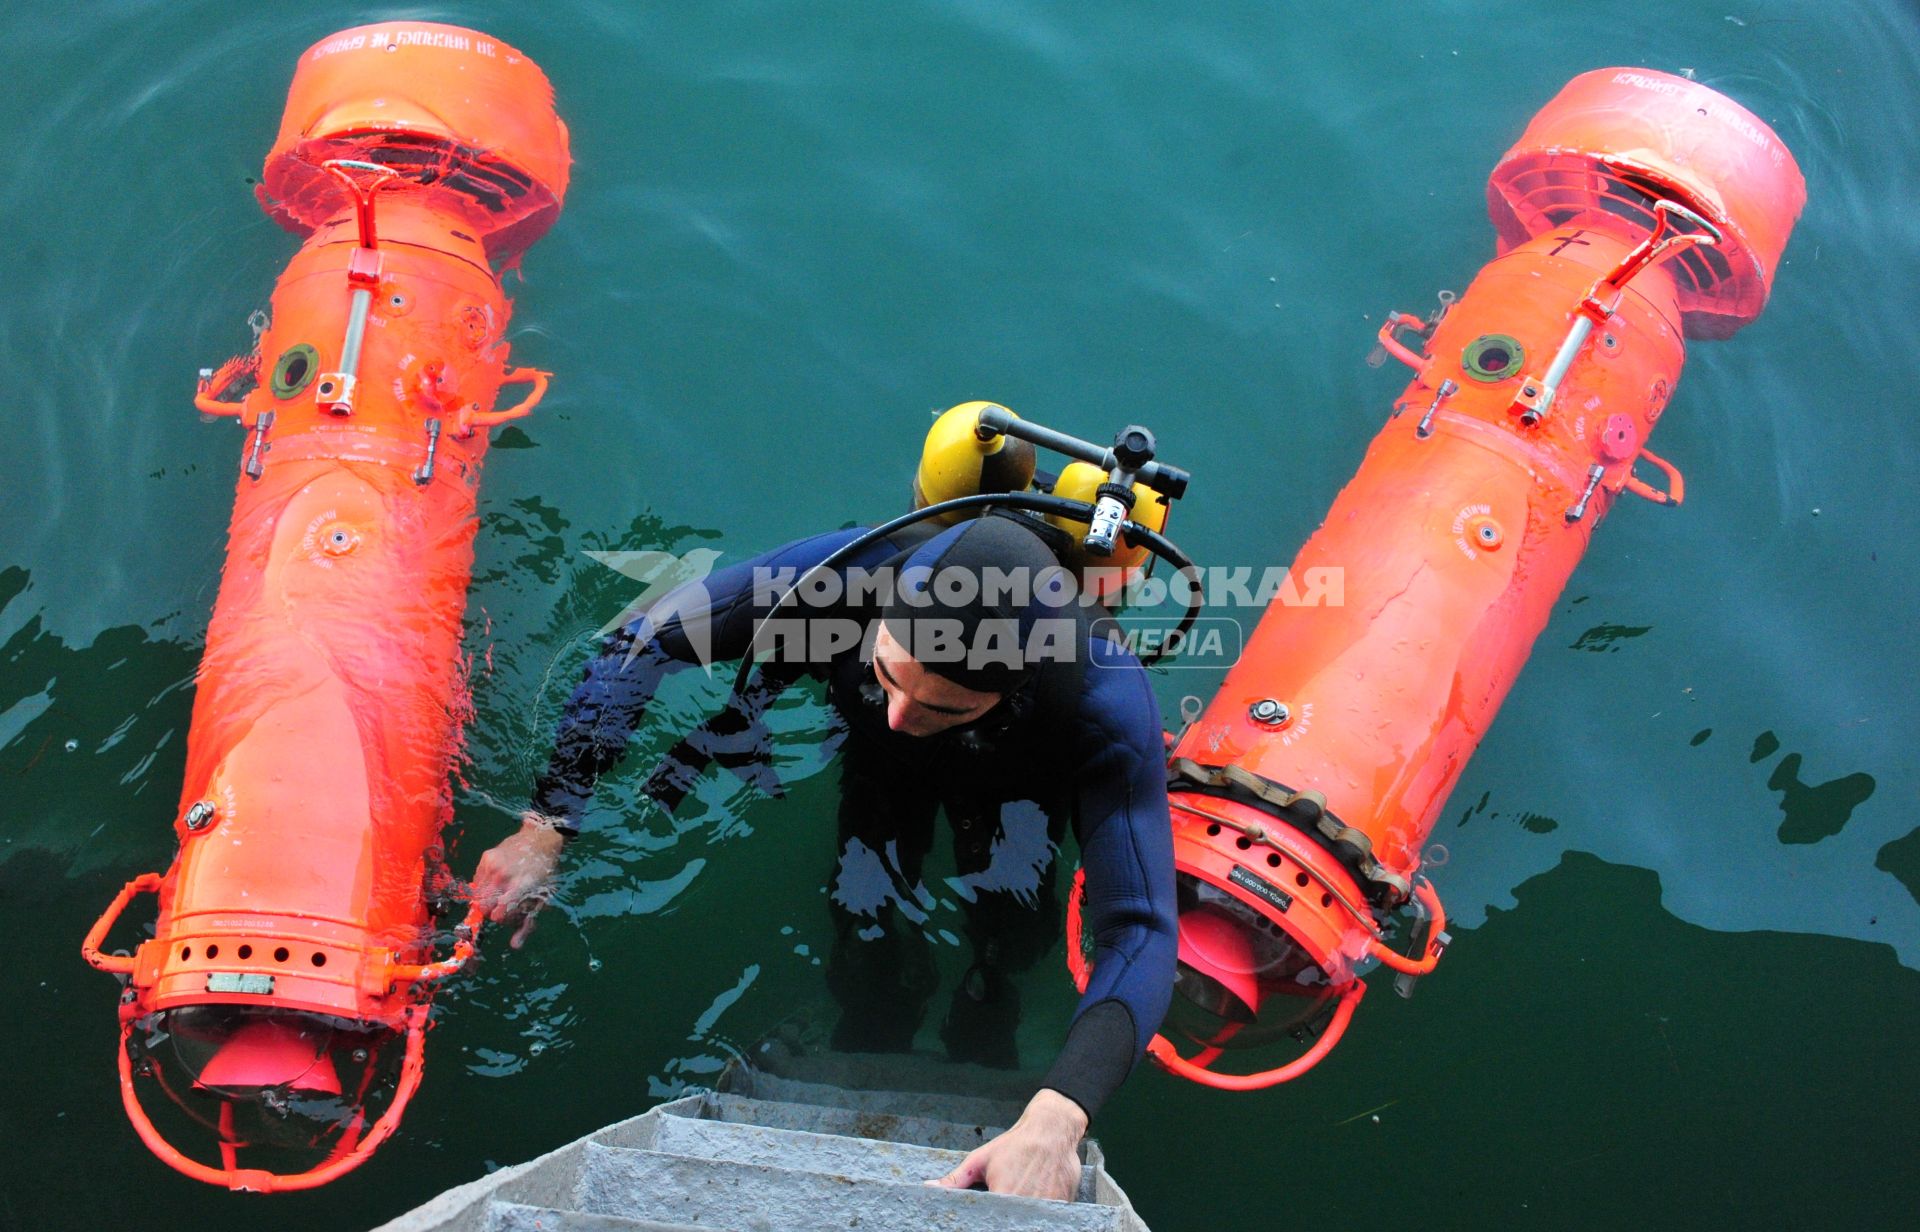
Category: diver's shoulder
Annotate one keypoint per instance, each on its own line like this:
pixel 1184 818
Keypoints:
pixel 1115 694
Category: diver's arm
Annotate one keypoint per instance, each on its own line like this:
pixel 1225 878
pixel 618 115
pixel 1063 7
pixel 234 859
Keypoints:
pixel 708 621
pixel 1126 849
pixel 711 620
pixel 1126 846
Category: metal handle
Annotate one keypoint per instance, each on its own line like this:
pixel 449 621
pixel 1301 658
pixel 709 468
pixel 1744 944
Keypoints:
pixel 1388 956
pixel 145 883
pixel 1391 344
pixel 1162 1050
pixel 466 941
pixel 1662 240
pixel 1676 485
pixel 469 419
pixel 362 197
pixel 1164 1055
pixel 1170 481
pixel 215 381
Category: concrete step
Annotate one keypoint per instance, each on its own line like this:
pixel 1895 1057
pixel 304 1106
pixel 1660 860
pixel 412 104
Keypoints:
pixel 944 1134
pixel 859 1087
pixel 856 1159
pixel 861 1158
pixel 726 1161
pixel 668 1188
pixel 513 1217
pixel 939 1135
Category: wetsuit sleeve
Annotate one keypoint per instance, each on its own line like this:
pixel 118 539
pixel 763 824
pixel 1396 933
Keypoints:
pixel 1126 848
pixel 710 620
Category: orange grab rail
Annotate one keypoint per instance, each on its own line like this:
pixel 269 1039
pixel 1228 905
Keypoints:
pixel 1162 1051
pixel 469 420
pixel 145 883
pixel 257 1180
pixel 1388 956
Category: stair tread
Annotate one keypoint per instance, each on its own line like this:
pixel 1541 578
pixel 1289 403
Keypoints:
pixel 519 1217
pixel 927 1105
pixel 826 1119
pixel 655 1185
pixel 860 1159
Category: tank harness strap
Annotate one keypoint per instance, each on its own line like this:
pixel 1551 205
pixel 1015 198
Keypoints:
pixel 1305 811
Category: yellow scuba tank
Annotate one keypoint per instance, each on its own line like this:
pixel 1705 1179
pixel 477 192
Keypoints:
pixel 957 462
pixel 1106 576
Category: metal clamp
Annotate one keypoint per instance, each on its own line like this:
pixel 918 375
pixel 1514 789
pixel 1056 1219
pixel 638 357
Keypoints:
pixel 1535 398
pixel 1579 510
pixel 424 474
pixel 254 467
pixel 1424 428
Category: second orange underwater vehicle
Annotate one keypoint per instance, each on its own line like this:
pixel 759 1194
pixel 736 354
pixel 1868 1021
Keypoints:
pixel 282 1000
pixel 1638 209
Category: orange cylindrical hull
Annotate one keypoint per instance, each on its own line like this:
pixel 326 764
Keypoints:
pixel 297 916
pixel 1304 794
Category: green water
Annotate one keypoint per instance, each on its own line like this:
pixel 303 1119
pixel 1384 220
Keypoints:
pixel 1684 864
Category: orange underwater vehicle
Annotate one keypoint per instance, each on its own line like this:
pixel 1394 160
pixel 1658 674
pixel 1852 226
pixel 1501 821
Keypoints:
pixel 1636 210
pixel 282 1001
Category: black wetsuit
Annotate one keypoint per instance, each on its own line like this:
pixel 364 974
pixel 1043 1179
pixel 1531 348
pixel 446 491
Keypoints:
pixel 1076 744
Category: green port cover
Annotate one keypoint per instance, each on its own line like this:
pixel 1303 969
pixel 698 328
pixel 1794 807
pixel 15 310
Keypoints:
pixel 1493 357
pixel 294 369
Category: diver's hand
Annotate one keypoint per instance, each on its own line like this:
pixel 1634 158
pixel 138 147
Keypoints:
pixel 1038 1158
pixel 513 877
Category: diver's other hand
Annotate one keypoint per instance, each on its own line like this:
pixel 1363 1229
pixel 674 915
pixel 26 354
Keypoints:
pixel 513 876
pixel 1038 1158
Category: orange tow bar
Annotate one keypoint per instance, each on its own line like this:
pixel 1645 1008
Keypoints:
pixel 1637 209
pixel 282 1001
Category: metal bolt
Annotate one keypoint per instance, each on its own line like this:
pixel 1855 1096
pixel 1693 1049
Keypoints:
pixel 1268 711
pixel 200 816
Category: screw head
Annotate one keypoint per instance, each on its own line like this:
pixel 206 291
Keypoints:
pixel 1268 711
pixel 200 816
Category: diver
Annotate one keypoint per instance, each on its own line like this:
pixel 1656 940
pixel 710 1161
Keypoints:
pixel 969 678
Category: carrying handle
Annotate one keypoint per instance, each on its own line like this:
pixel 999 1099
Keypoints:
pixel 1391 344
pixel 1390 957
pixel 1676 485
pixel 341 169
pixel 1164 1055
pixel 1161 1049
pixel 215 381
pixel 257 1180
pixel 118 964
pixel 469 420
pixel 1665 238
pixel 466 941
